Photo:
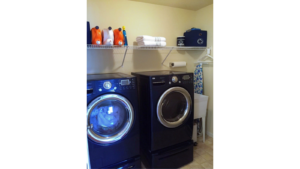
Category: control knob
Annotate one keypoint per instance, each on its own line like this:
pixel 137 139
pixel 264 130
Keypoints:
pixel 107 85
pixel 174 79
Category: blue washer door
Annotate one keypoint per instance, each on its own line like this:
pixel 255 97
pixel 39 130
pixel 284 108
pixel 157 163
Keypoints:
pixel 109 118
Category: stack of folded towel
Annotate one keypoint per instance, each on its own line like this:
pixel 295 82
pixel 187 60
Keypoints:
pixel 145 40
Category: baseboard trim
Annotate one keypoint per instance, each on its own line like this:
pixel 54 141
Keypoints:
pixel 209 134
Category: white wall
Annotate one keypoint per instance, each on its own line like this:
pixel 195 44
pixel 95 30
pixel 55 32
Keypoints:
pixel 204 20
pixel 139 19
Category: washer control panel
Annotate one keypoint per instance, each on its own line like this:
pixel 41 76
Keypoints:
pixel 111 85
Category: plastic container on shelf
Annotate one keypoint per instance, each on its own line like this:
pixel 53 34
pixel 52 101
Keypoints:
pixel 96 36
pixel 180 41
pixel 88 35
pixel 125 36
pixel 108 36
pixel 118 37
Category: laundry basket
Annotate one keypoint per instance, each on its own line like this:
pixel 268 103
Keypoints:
pixel 200 107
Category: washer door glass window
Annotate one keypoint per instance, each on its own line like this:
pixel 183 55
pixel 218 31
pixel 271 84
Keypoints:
pixel 173 107
pixel 110 117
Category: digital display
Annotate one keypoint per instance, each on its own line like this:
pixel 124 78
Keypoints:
pixel 125 82
pixel 186 77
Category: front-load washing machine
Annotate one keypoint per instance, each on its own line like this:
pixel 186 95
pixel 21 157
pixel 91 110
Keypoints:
pixel 112 121
pixel 166 109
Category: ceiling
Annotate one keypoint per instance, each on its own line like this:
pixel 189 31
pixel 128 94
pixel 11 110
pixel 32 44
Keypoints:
pixel 184 4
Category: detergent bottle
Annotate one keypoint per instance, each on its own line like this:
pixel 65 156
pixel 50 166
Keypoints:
pixel 118 37
pixel 96 36
pixel 108 36
pixel 111 35
pixel 125 36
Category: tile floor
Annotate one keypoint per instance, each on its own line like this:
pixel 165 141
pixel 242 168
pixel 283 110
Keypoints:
pixel 203 155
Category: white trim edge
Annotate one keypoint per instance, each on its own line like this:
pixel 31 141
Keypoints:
pixel 209 134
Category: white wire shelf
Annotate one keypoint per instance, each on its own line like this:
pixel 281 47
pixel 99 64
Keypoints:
pixel 166 48
pixel 189 48
pixel 204 62
pixel 91 46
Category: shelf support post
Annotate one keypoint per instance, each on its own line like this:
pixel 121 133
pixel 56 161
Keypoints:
pixel 167 56
pixel 124 55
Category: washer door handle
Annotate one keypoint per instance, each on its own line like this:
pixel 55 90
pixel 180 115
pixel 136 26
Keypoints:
pixel 89 91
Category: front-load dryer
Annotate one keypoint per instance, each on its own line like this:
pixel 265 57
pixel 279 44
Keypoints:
pixel 166 109
pixel 112 121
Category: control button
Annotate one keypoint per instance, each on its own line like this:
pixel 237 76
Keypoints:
pixel 174 79
pixel 107 85
pixel 100 89
pixel 115 88
pixel 179 81
pixel 169 82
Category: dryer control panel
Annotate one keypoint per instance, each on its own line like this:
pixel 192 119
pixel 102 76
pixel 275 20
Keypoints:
pixel 180 79
pixel 171 79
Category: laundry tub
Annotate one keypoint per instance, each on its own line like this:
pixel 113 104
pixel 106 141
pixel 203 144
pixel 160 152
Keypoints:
pixel 200 107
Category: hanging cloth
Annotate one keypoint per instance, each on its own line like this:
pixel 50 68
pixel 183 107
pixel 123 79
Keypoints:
pixel 198 79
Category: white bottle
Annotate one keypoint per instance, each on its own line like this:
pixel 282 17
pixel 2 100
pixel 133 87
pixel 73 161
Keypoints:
pixel 111 36
pixel 108 36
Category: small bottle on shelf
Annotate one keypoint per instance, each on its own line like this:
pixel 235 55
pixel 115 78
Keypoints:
pixel 125 36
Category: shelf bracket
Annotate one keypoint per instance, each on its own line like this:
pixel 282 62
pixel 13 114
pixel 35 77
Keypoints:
pixel 124 56
pixel 167 56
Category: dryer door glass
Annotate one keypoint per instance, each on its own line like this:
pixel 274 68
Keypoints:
pixel 109 118
pixel 174 107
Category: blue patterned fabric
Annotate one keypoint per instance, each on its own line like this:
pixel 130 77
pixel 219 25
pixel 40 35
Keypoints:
pixel 198 79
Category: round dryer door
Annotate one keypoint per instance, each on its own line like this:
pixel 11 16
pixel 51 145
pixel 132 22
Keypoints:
pixel 109 118
pixel 173 107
